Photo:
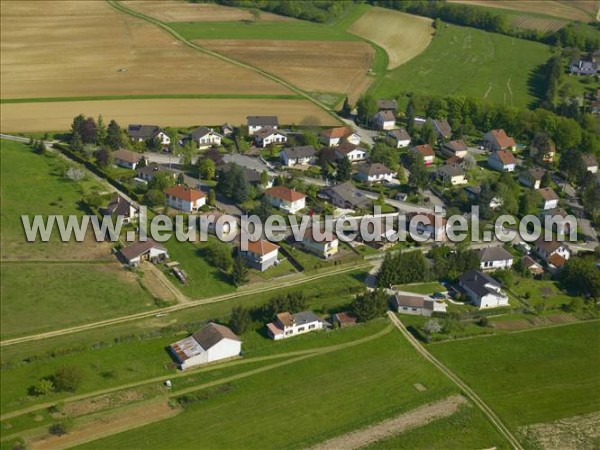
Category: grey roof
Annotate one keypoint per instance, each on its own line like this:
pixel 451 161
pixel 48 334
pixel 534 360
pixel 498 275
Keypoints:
pixel 305 151
pixel 305 317
pixel 374 169
pixel 386 115
pixel 200 132
pixel 495 253
pixel 537 173
pixel 127 155
pixel 139 248
pixel 212 334
pixel 119 206
pixel 263 121
pixel 442 127
pixel 143 131
pixel 589 160
pixel 451 170
pixel 458 145
pixel 387 104
pixel 400 134
pixel 413 301
pixel 347 192
pixel 268 131
pixel 476 281
pixel 252 176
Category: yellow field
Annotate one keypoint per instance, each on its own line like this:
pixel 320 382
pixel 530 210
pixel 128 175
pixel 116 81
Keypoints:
pixel 570 10
pixel 85 48
pixel 57 116
pixel 183 11
pixel 402 36
pixel 323 66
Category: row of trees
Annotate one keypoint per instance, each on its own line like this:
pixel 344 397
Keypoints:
pixel 402 268
pixel 314 10
pixel 87 130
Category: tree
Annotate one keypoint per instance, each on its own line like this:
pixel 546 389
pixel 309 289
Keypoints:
pixel 255 13
pixel 76 143
pixel 344 169
pixel 427 133
pixel 469 162
pixel 88 131
pixel 568 133
pixel 239 274
pixel 346 108
pixel 219 254
pixel 104 157
pixel 39 147
pixel 240 320
pixel 432 326
pixel 67 378
pixel 264 178
pixel 44 386
pixel 114 136
pixel 101 132
pixel 402 268
pixel 61 428
pixel 207 168
pixel 161 181
pixel 366 108
pixel 212 198
pixel 582 276
pixel 546 180
pixel 370 305
pixel 384 154
pixel 154 197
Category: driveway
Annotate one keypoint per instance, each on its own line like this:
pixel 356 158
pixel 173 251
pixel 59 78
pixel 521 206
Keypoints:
pixel 365 134
pixel 248 162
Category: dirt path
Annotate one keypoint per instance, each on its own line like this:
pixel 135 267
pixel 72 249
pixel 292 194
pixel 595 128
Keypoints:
pixel 411 419
pixel 491 415
pixel 159 286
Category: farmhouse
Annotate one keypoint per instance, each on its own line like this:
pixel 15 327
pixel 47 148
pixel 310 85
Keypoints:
pixel 288 325
pixel 452 174
pixel 121 207
pixel 384 120
pixel 416 305
pixel 142 133
pixel 346 196
pixel 261 255
pixel 442 128
pixel 335 136
pixel 400 137
pixel 343 319
pixel 553 252
pixel 205 137
pixel 590 162
pixel 388 105
pixel 351 151
pixel 127 158
pixel 325 246
pixel 256 123
pixel 494 257
pixel 211 343
pixel 148 250
pixel 502 160
pixel 455 148
pixel 496 140
pixel 147 173
pixel 269 136
pixel 426 152
pixel 185 199
pixel 286 199
pixel 303 155
pixel 375 173
pixel 483 290
pixel 584 67
pixel 532 177
pixel 549 198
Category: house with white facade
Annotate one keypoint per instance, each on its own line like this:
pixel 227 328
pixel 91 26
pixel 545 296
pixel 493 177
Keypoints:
pixel 302 155
pixel 324 246
pixel 269 136
pixel 426 151
pixel 555 253
pixel 148 250
pixel 590 162
pixel 532 177
pixel 288 325
pixel 400 137
pixel 452 174
pixel 261 255
pixel 121 207
pixel 256 123
pixel 335 136
pixel 205 137
pixel 456 147
pixel 143 133
pixel 502 161
pixel 128 159
pixel 384 120
pixel 286 199
pixel 494 258
pixel 416 305
pixel 549 198
pixel 484 291
pixel 184 198
pixel 496 140
pixel 374 173
pixel 211 343
pixel 353 152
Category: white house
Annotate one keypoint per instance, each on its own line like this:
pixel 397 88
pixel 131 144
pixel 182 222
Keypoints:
pixel 532 177
pixel 549 198
pixel 502 161
pixel 205 137
pixel 288 325
pixel 211 343
pixel 400 137
pixel 335 136
pixel 121 207
pixel 324 247
pixel 148 250
pixel 142 133
pixel 286 199
pixel 256 123
pixel 426 151
pixel 375 173
pixel 494 258
pixel 261 255
pixel 483 290
pixel 452 174
pixel 184 198
pixel 303 155
pixel 590 162
pixel 555 253
pixel 127 158
pixel 384 120
pixel 351 151
pixel 495 140
pixel 269 136
pixel 416 305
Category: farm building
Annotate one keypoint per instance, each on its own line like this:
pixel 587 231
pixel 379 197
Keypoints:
pixel 140 251
pixel 375 173
pixel 269 136
pixel 400 137
pixel 483 290
pixel 302 155
pixel 502 161
pixel 142 133
pixel 256 123
pixel 261 254
pixel 211 343
pixel 335 136
pixel 286 199
pixel 494 257
pixel 205 137
pixel 416 305
pixel 127 158
pixel 324 247
pixel 496 140
pixel 184 198
pixel 121 207
pixel 288 325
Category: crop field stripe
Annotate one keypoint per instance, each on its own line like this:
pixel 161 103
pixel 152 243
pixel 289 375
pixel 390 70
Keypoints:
pixel 154 96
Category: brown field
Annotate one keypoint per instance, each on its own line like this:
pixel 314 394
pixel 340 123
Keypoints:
pixel 402 36
pixel 56 116
pixel 183 11
pixel 572 433
pixel 319 66
pixel 580 10
pixel 537 23
pixel 76 48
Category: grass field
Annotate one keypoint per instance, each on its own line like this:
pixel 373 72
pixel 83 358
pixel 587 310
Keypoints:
pixel 402 36
pixel 534 376
pixel 30 117
pixel 499 68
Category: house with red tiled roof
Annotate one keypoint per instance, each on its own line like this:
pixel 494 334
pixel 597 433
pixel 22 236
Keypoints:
pixel 261 255
pixel 288 325
pixel 555 253
pixel 426 151
pixel 184 198
pixel 286 199
pixel 495 140
pixel 455 148
pixel 344 319
pixel 503 161
pixel 335 136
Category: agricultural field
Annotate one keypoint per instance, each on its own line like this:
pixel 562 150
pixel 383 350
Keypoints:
pixel 582 10
pixel 401 35
pixel 499 68
pixel 534 376
pixel 41 116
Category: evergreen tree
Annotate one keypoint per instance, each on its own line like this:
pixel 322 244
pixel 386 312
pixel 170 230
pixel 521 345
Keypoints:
pixel 346 108
pixel 344 169
pixel 239 274
pixel 114 136
pixel 101 132
pixel 370 305
pixel 212 198
pixel 240 320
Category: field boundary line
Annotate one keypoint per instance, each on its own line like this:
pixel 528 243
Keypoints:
pixel 491 415
pixel 152 97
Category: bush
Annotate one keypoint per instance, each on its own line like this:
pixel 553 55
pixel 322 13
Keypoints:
pixel 43 387
pixel 67 378
pixel 61 428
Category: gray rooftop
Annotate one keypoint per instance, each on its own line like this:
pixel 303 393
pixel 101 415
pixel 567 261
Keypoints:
pixel 305 151
pixel 495 253
pixel 263 121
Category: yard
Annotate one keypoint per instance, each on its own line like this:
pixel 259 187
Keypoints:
pixel 422 288
pixel 545 292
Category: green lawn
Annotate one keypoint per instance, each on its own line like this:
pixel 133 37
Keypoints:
pixel 300 404
pixel 546 292
pixel 498 68
pixel 422 288
pixel 534 376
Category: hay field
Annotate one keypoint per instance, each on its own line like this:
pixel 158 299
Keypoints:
pixel 562 10
pixel 183 11
pixel 323 66
pixel 75 48
pixel 57 116
pixel 402 36
pixel 537 23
